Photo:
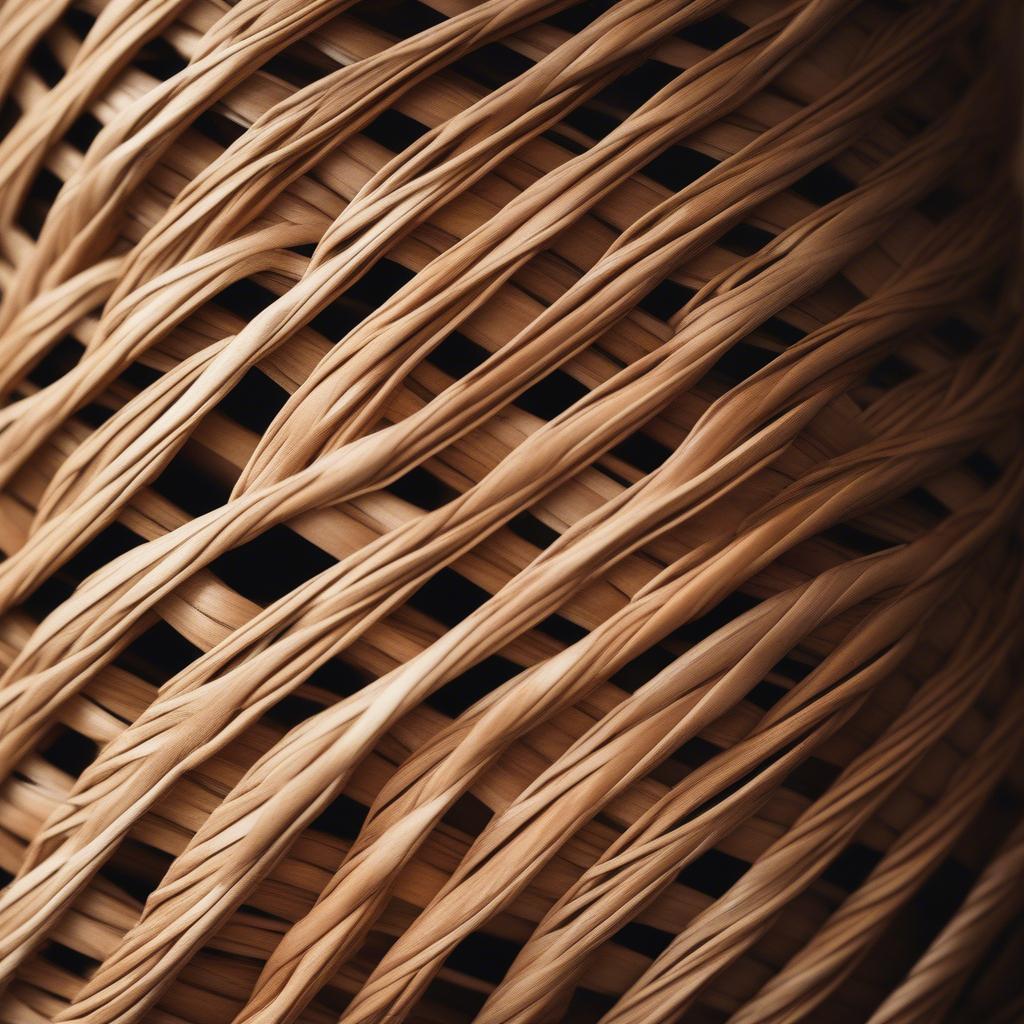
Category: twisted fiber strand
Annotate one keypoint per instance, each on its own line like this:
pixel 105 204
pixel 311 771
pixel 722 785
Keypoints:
pixel 352 94
pixel 686 821
pixel 410 954
pixel 119 30
pixel 335 573
pixel 594 414
pixel 517 841
pixel 84 215
pixel 244 835
pixel 757 438
pixel 146 788
pixel 469 755
pixel 227 364
pixel 408 436
pixel 420 195
pixel 718 935
pixel 939 975
pixel 821 966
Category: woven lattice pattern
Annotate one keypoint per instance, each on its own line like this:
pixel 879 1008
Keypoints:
pixel 509 512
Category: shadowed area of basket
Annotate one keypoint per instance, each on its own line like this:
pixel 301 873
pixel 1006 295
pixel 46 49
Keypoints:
pixel 510 511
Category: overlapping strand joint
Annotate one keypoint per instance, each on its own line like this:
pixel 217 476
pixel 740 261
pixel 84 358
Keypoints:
pixel 510 511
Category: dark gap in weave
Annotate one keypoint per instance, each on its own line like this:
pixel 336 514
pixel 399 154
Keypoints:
pixel 587 1006
pixel 94 414
pixel 889 372
pixel 186 484
pixel 931 907
pixel 791 670
pixel 766 695
pixel 372 290
pixel 956 335
pixel 696 751
pixel 559 628
pixel 666 299
pixel 812 777
pixel 291 66
pixel 926 502
pixel 68 959
pixel 457 355
pixel 609 472
pixel 641 669
pixel 70 751
pixel 851 866
pixel 129 873
pixel 291 710
pixel 782 331
pixel 576 18
pixel 5 877
pixel 53 591
pixel 678 167
pixel 245 298
pixel 159 59
pixel 528 527
pixel 632 90
pixel 642 938
pixel 460 1003
pixel 721 614
pixel 571 146
pixel 468 815
pixel 139 376
pixel 823 185
pixel 271 565
pixel 492 65
pixel 38 201
pixel 158 653
pixel 713 33
pixel 80 22
pixel 342 818
pixel 338 677
pixel 448 597
pixel 594 124
pixel 940 203
pixel 712 873
pixel 741 361
pixel 983 467
pixel 552 395
pixel 394 130
pixel 745 239
pixel 254 401
pixel 476 682
pixel 109 544
pixel 421 488
pixel 10 111
pixel 398 18
pixel 483 956
pixel 642 452
pixel 855 539
pixel 83 131
pixel 43 61
pixel 218 127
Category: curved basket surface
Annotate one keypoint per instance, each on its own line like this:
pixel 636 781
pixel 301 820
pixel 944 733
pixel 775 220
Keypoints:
pixel 510 511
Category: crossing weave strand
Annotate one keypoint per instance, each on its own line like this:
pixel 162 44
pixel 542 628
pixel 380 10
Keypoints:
pixel 510 511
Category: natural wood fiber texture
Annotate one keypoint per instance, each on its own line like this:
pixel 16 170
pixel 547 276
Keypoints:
pixel 510 511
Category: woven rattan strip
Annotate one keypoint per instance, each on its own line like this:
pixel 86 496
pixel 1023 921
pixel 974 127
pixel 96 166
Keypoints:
pixel 510 511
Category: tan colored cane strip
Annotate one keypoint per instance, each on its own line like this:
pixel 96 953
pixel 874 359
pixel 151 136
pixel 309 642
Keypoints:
pixel 502 503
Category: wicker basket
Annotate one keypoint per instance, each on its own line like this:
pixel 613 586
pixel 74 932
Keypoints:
pixel 510 511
